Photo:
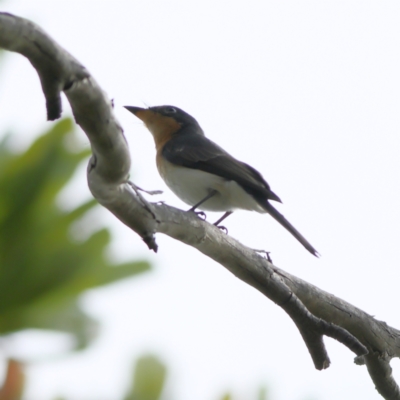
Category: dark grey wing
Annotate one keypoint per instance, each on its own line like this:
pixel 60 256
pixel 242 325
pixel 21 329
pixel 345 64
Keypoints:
pixel 195 151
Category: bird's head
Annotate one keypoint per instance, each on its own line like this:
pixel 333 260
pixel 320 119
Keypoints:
pixel 165 121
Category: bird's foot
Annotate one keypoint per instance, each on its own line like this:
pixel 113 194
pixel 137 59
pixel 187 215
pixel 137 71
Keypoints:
pixel 222 228
pixel 202 215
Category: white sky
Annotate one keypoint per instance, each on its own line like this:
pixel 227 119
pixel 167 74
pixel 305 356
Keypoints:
pixel 305 91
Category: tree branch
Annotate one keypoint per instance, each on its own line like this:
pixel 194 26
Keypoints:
pixel 316 313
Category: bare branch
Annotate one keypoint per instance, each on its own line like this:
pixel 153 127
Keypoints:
pixel 316 313
pixel 46 57
pixel 381 374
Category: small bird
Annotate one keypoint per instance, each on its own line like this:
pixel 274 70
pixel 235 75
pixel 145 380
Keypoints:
pixel 203 174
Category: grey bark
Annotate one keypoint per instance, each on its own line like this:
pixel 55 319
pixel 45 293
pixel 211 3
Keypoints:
pixel 315 313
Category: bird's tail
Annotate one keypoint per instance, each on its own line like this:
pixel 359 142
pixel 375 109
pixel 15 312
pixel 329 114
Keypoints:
pixel 286 224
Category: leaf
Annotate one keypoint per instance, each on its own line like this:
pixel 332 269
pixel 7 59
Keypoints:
pixel 148 379
pixel 263 393
pixel 43 269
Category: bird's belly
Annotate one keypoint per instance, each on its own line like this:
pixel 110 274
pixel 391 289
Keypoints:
pixel 192 185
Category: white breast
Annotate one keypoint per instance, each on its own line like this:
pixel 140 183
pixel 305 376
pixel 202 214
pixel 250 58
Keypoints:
pixel 192 185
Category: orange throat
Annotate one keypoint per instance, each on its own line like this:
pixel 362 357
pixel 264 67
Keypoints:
pixel 161 127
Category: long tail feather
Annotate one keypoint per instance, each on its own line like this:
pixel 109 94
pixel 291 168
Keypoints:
pixel 286 224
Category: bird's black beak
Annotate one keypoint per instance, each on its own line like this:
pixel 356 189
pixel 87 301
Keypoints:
pixel 144 114
pixel 134 110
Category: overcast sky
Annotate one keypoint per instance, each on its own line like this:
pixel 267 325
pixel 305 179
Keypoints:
pixel 308 92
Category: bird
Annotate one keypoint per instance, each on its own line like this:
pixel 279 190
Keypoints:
pixel 203 174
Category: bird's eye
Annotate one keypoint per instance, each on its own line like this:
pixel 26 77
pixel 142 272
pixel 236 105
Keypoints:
pixel 170 110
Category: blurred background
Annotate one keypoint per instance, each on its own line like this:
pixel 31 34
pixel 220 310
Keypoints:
pixel 307 92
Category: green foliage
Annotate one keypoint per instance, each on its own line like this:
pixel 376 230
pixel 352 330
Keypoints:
pixel 43 269
pixel 263 394
pixel 148 379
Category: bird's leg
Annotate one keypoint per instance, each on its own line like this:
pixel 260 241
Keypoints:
pixel 211 194
pixel 226 215
pixel 223 228
pixel 201 213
